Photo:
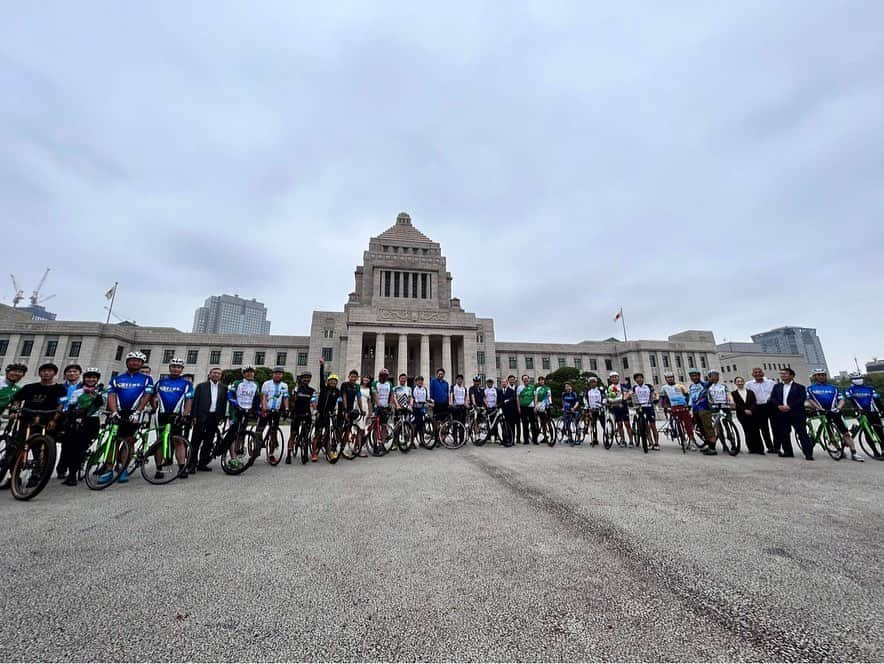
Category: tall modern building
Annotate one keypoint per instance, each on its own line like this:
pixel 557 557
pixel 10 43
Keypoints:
pixel 231 314
pixel 794 341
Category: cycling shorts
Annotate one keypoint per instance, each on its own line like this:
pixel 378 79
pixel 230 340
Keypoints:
pixel 620 413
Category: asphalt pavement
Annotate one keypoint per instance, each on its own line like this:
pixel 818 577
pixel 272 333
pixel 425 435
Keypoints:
pixel 488 553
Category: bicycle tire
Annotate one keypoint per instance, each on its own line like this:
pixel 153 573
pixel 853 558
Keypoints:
pixel 332 445
pixel 239 464
pixel 96 466
pixel 4 469
pixel 428 436
pixel 549 432
pixel 275 455
pixel 166 466
pixel 867 445
pixel 731 438
pixel 643 433
pixel 351 438
pixel 609 429
pixel 831 440
pixel 453 434
pixel 403 435
pixel 483 431
pixel 36 461
pixel 505 434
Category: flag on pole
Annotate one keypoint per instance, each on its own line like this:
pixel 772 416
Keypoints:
pixel 619 315
pixel 110 294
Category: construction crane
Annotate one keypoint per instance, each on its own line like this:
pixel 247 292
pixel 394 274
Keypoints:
pixel 35 296
pixel 19 293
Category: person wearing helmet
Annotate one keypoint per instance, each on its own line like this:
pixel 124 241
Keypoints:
pixel 72 382
pixel 402 399
pixel 699 402
pixel 243 401
pixel 301 412
pixel 327 410
pixel 867 401
pixel 615 397
pixel 83 408
pixel 824 397
pixel 477 393
pixel 595 399
pixel 274 404
pixel 128 394
pixel 173 399
pixel 643 396
pixel 11 384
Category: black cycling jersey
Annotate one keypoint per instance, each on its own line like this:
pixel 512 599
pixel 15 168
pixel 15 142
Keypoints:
pixel 477 396
pixel 350 396
pixel 328 396
pixel 300 400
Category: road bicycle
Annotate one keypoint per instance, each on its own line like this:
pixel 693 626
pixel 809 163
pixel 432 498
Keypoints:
pixel 611 432
pixel 640 425
pixel 379 432
pixel 403 429
pixel 450 432
pixel 299 438
pixel 326 437
pixel 573 430
pixel 822 432
pixel 350 434
pixel 546 428
pixel 864 433
pixel 273 439
pixel 592 417
pixel 487 424
pixel 29 453
pixel 726 432
pixel 424 434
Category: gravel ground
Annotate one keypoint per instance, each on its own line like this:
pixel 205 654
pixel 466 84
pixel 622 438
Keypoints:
pixel 528 553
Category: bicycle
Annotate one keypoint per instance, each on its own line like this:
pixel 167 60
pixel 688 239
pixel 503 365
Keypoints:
pixel 273 438
pixel 591 418
pixel 546 428
pixel 611 432
pixel 491 423
pixel 29 454
pixel 426 433
pixel 328 440
pixel 825 434
pixel 299 441
pixel 640 424
pixel 378 433
pixel 864 433
pixel 403 429
pixel 238 440
pixel 350 434
pixel 725 431
pixel 156 460
pixel 451 433
pixel 572 427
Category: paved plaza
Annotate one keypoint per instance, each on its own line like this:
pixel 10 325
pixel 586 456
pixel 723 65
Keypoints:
pixel 477 554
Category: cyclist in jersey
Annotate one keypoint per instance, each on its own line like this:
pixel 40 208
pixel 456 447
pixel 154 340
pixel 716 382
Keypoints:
pixel 274 404
pixel 825 397
pixel 643 397
pixel 616 396
pixel 244 401
pixel 459 399
pixel 300 403
pixel 866 399
pixel 84 407
pixel 72 381
pixel 570 411
pixel 128 394
pixel 11 384
pixel 475 396
pixel 326 407
pixel 419 397
pixel 381 391
pixel 402 398
pixel 350 398
pixel 674 397
pixel 699 402
pixel 173 400
pixel 543 395
pixel 595 399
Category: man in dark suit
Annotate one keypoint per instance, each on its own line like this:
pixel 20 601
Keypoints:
pixel 745 403
pixel 788 398
pixel 209 408
pixel 510 406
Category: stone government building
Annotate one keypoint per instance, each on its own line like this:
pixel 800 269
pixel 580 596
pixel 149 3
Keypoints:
pixel 400 315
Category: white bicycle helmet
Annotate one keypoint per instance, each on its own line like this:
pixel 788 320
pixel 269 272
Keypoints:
pixel 856 377
pixel 176 362
pixel 136 355
pixel 613 373
pixel 92 371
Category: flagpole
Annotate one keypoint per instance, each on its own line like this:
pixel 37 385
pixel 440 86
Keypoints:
pixel 623 320
pixel 111 307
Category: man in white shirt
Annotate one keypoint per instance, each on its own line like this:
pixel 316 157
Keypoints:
pixel 763 413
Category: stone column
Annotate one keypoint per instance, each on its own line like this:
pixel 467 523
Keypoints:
pixel 379 350
pixel 470 361
pixel 402 355
pixel 425 358
pixel 446 356
pixel 354 352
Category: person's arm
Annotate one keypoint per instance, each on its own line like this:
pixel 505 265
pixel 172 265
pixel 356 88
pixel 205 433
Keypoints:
pixel 188 401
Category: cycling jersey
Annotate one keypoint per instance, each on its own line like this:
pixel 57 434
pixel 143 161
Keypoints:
pixel 544 396
pixel 864 396
pixel 301 400
pixel 88 400
pixel 420 395
pixel 70 388
pixel 274 393
pixel 7 392
pixel 476 395
pixel 594 398
pixel 382 391
pixel 526 395
pixel 675 394
pixel 490 397
pixel 402 393
pixel 614 394
pixel 717 394
pixel 570 401
pixel 699 395
pixel 129 389
pixel 825 394
pixel 243 394
pixel 172 393
pixel 642 395
pixel 350 396
pixel 460 394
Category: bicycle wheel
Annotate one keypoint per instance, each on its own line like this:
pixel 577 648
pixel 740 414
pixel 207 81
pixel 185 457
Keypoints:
pixel 4 462
pixel 482 431
pixel 159 465
pixel 378 437
pixel 351 442
pixel 609 432
pixel 642 433
pixel 332 444
pixel 504 432
pixel 549 431
pixel 403 435
pixel 730 438
pixel 274 444
pixel 579 430
pixel 32 467
pixel 236 462
pixel 869 445
pixel 428 435
pixel 453 434
pixel 831 440
pixel 681 435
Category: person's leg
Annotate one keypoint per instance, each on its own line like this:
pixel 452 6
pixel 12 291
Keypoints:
pixel 762 421
pixel 783 435
pixel 532 418
pixel 525 424
pixel 799 423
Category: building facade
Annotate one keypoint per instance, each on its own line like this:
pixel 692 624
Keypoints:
pixel 231 314
pixel 740 358
pixel 794 341
pixel 401 315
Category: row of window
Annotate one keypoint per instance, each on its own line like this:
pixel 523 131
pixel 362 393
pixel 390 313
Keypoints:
pixel 395 283
pixel 546 362
pixel 652 361
pixel 51 349
pixel 259 358
pixel 405 250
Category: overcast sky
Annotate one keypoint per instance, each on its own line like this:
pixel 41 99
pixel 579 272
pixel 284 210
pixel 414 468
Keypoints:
pixel 707 165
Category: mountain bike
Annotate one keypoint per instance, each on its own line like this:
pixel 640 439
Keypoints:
pixel 725 431
pixel 491 423
pixel 868 438
pixel 156 459
pixel 29 453
pixel 822 432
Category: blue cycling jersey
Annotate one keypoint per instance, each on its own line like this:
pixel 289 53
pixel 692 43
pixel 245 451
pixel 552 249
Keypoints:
pixel 864 396
pixel 129 388
pixel 699 393
pixel 825 394
pixel 69 398
pixel 570 400
pixel 172 393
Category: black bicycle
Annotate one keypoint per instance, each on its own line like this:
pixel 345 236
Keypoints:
pixel 640 424
pixel 29 453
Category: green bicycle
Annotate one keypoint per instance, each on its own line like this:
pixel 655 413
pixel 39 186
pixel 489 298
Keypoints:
pixel 823 433
pixel 868 438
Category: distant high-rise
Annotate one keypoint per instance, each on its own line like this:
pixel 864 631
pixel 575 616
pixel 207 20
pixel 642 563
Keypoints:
pixel 38 312
pixel 231 314
pixel 796 341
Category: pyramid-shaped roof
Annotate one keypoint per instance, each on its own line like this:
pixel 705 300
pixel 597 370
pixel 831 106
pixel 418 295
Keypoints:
pixel 403 231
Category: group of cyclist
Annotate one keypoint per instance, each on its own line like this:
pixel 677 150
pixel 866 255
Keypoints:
pixel 525 407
